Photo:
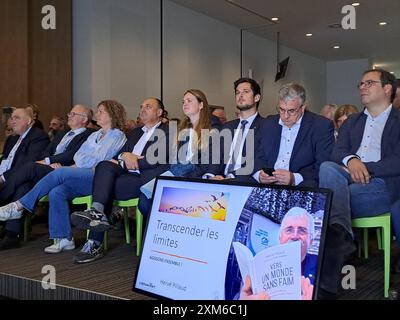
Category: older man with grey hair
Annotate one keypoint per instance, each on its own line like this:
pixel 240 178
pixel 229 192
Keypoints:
pixel 293 143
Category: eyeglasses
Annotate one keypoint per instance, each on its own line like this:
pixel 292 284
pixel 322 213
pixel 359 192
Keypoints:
pixel 290 112
pixel 367 83
pixel 301 231
pixel 73 114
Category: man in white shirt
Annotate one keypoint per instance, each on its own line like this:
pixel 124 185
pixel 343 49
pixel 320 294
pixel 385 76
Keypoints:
pixel 293 143
pixel 237 164
pixel 364 174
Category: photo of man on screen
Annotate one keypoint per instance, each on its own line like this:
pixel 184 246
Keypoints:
pixel 297 225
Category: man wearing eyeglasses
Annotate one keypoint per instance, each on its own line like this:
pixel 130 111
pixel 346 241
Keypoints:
pixel 293 143
pixel 60 152
pixel 364 174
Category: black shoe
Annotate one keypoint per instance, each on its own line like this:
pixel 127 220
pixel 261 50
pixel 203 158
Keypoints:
pixel 9 243
pixel 90 252
pixel 90 219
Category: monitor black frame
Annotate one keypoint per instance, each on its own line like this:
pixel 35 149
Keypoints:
pixel 321 250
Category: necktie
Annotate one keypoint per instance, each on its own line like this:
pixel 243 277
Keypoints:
pixel 237 149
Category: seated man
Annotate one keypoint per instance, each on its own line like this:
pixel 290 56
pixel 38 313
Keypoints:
pixel 60 152
pixel 121 178
pixel 364 173
pixel 294 143
pixel 232 165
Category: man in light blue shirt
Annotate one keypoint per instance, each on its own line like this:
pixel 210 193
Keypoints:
pixel 364 174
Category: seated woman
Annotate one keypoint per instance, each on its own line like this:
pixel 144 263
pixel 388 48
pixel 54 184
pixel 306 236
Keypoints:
pixel 193 143
pixel 67 183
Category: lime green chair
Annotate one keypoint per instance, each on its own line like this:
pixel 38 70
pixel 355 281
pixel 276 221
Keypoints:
pixel 139 222
pixel 382 222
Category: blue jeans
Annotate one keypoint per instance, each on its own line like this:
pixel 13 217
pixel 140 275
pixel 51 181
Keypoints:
pixel 352 200
pixel 61 185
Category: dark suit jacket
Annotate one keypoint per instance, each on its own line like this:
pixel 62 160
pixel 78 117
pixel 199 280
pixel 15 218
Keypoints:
pixel 388 168
pixel 29 150
pixel 231 126
pixel 148 169
pixel 313 145
pixel 66 158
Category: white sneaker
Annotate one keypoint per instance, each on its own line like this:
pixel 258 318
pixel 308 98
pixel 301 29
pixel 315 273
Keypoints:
pixel 10 212
pixel 60 245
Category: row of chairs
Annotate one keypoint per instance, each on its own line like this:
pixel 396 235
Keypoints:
pixel 125 205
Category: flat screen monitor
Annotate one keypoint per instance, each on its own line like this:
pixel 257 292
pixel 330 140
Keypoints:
pixel 209 240
pixel 282 68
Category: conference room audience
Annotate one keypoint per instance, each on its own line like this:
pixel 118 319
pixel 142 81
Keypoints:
pixel 341 114
pixel 56 124
pixel 193 141
pixel 60 152
pixel 293 143
pixel 35 111
pixel 364 173
pixel 121 178
pixel 25 145
pixel 237 164
pixel 67 183
pixel 328 111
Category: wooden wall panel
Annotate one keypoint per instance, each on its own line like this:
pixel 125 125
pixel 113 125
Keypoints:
pixel 50 59
pixel 14 52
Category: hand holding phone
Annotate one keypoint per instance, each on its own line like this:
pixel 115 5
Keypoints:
pixel 268 171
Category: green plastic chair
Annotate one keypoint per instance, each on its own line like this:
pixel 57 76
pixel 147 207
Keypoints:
pixel 139 222
pixel 383 223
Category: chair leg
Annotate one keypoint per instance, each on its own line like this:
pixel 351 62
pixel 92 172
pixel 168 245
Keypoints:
pixel 105 241
pixel 386 246
pixel 27 220
pixel 365 243
pixel 379 238
pixel 126 224
pixel 139 230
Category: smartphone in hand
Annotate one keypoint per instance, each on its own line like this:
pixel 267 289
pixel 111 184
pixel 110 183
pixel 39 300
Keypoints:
pixel 268 171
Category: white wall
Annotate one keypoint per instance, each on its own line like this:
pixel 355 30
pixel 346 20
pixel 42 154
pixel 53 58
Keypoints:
pixel 342 79
pixel 116 51
pixel 260 56
pixel 116 54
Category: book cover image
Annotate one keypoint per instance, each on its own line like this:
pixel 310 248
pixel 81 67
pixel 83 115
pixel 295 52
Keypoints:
pixel 275 248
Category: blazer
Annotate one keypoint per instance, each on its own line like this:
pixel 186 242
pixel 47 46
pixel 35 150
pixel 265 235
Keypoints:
pixel 66 158
pixel 148 169
pixel 313 145
pixel 231 126
pixel 388 168
pixel 29 150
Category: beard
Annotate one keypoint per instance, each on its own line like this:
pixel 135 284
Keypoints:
pixel 244 108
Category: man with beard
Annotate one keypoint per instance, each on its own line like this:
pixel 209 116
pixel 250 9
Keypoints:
pixel 238 164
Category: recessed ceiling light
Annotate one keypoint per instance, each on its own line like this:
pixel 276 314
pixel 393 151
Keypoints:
pixel 355 4
pixel 274 19
pixel 336 47
pixel 391 72
pixel 383 23
pixel 308 34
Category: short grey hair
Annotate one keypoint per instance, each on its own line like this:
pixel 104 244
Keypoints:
pixel 297 212
pixel 291 91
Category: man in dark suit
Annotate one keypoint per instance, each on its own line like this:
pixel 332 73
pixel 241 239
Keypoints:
pixel 143 157
pixel 294 143
pixel 237 136
pixel 364 173
pixel 60 152
pixel 25 145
